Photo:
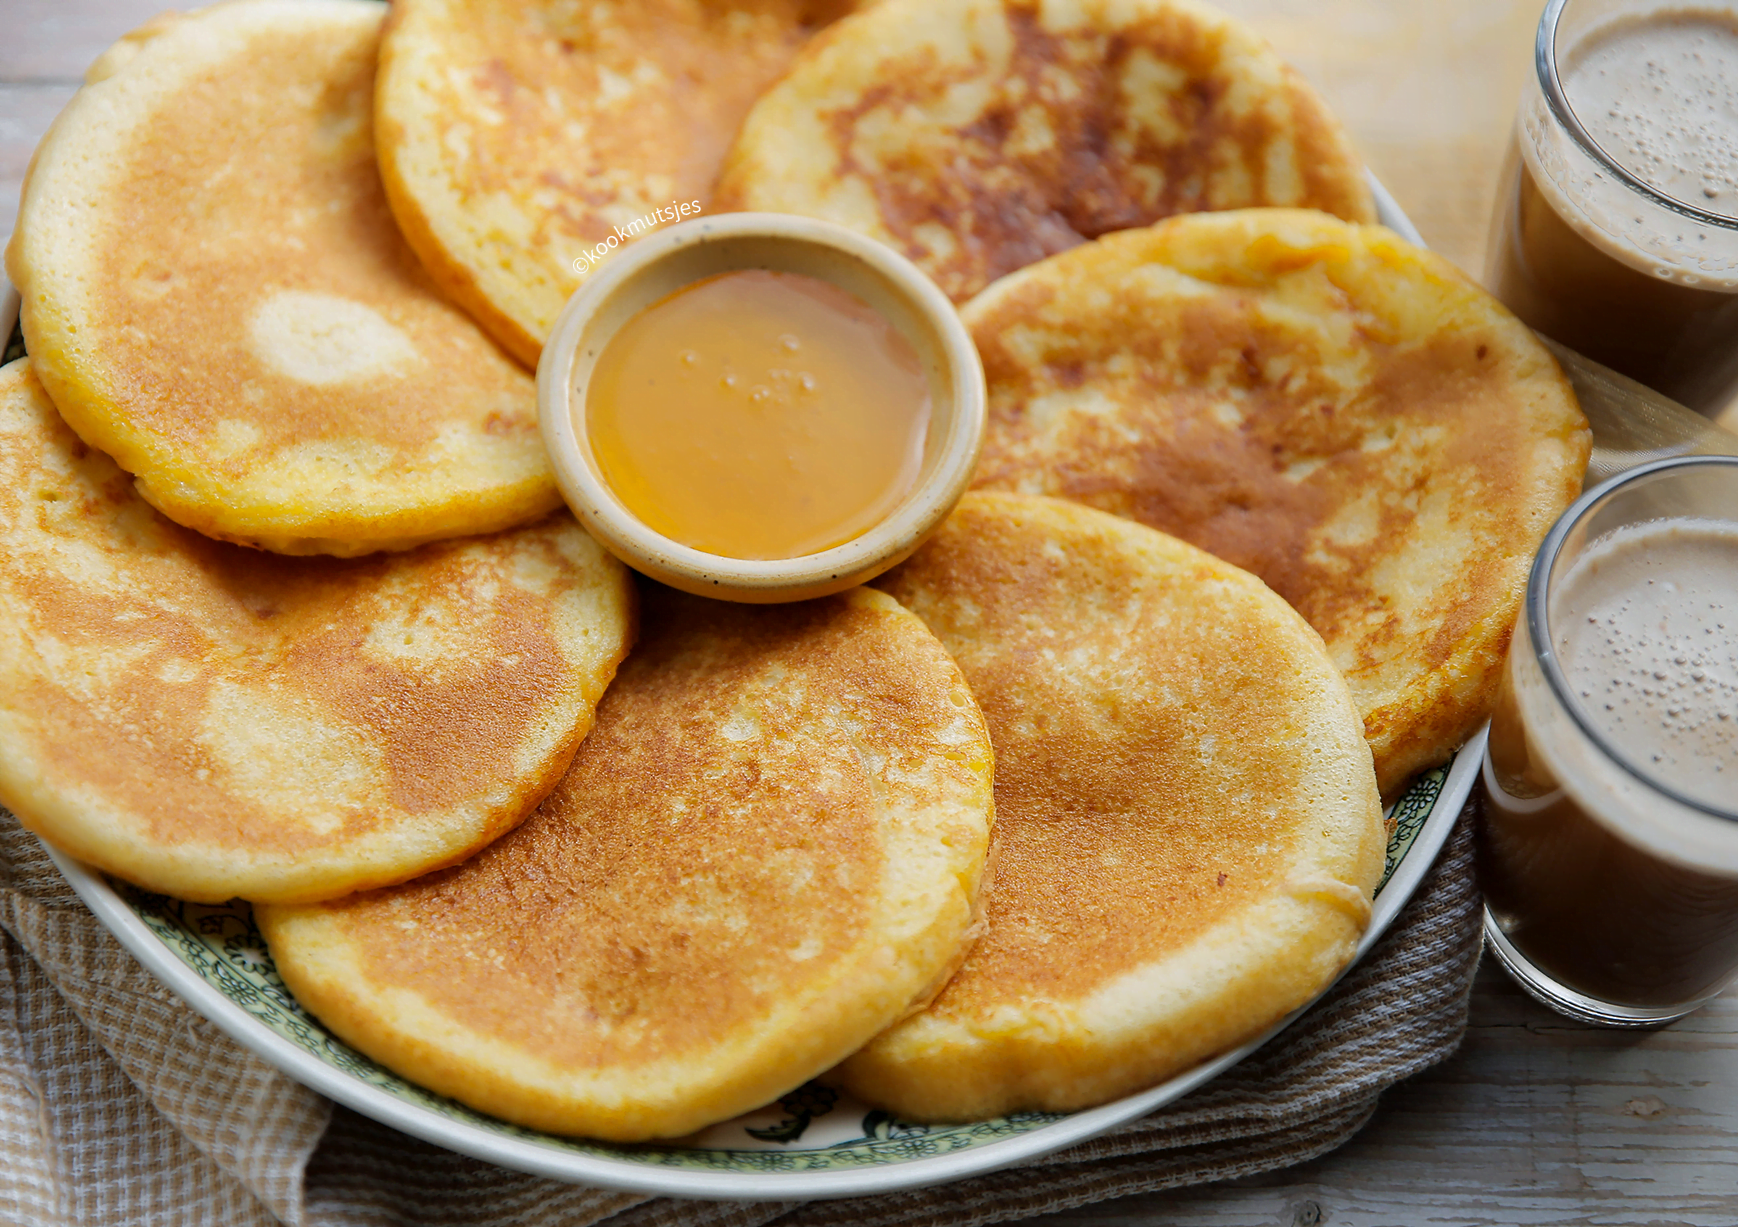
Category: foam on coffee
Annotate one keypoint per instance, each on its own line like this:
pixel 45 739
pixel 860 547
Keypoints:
pixel 1685 826
pixel 1655 93
pixel 1652 90
pixel 1645 626
pixel 1619 274
pixel 1613 872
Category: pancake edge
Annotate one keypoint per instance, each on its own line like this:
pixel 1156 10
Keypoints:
pixel 96 126
pixel 394 149
pixel 746 167
pixel 1062 1057
pixel 402 1031
pixel 82 824
pixel 1474 669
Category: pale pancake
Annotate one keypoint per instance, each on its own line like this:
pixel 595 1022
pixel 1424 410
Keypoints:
pixel 1325 405
pixel 1187 825
pixel 517 135
pixel 769 847
pixel 216 295
pixel 208 721
pixel 978 136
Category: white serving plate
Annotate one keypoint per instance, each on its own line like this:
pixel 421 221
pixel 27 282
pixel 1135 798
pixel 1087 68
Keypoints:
pixel 812 1144
pixel 215 959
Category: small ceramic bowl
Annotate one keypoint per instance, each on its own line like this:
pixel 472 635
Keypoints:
pixel 623 284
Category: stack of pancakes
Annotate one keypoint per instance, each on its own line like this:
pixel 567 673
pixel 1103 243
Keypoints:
pixel 1083 793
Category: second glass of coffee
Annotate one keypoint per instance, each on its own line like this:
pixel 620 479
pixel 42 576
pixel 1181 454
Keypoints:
pixel 1608 850
pixel 1616 230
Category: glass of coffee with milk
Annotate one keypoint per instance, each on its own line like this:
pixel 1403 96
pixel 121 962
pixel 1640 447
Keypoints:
pixel 1608 847
pixel 1616 231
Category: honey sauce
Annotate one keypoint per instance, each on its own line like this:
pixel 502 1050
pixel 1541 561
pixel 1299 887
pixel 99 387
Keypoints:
pixel 759 415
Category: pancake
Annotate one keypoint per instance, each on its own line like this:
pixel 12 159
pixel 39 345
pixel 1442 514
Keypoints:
pixel 1187 826
pixel 216 295
pixel 1322 404
pixel 770 846
pixel 208 721
pixel 517 135
pixel 977 136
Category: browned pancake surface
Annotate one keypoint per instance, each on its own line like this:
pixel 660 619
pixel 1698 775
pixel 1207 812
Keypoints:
pixel 1323 405
pixel 1187 822
pixel 769 845
pixel 1123 726
pixel 517 135
pixel 978 136
pixel 216 294
pixel 208 721
pixel 699 866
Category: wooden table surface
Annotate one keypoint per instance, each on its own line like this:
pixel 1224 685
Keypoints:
pixel 1536 1120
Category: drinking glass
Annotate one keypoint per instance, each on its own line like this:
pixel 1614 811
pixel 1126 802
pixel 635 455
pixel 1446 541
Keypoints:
pixel 1602 258
pixel 1610 880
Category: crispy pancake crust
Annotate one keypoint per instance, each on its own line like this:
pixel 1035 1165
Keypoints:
pixel 517 134
pixel 208 721
pixel 1325 405
pixel 1187 825
pixel 216 295
pixel 767 849
pixel 978 136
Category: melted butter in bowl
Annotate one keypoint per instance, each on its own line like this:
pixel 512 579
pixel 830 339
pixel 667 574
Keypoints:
pixel 759 414
pixel 760 407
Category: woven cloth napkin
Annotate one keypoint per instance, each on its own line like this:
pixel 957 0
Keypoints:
pixel 121 1106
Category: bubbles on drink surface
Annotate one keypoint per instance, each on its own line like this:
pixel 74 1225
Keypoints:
pixel 1657 94
pixel 1646 628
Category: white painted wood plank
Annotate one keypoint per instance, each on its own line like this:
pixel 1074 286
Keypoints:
pixel 1537 1120
pixel 25 113
pixel 56 40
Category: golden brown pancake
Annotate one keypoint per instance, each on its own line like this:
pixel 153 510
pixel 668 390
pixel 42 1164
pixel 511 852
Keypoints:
pixel 768 848
pixel 209 721
pixel 1325 405
pixel 517 135
pixel 978 136
pixel 216 295
pixel 1187 825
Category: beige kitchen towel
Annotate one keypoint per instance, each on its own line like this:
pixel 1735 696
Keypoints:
pixel 120 1107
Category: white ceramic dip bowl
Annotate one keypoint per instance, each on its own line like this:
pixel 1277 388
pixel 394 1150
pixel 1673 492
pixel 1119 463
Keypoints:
pixel 654 267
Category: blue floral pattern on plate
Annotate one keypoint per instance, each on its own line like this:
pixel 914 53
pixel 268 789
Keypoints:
pixel 813 1128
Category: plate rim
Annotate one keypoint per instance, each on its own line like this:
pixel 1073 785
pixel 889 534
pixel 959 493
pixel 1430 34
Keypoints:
pixel 626 1175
